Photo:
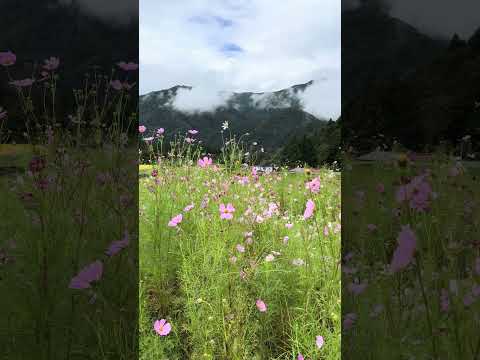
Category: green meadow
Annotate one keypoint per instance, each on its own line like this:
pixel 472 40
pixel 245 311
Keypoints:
pixel 260 282
pixel 411 260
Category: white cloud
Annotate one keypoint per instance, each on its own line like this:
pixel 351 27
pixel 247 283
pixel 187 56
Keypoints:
pixel 284 43
pixel 319 99
pixel 199 99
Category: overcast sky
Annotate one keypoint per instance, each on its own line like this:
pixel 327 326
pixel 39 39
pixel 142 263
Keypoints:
pixel 439 18
pixel 243 45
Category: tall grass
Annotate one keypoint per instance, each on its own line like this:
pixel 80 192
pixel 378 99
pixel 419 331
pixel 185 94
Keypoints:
pixel 428 307
pixel 205 275
pixel 72 198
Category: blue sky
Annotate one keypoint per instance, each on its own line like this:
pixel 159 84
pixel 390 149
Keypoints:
pixel 242 45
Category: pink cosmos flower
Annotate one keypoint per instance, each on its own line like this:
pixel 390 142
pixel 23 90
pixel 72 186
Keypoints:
pixel 349 320
pixel 319 341
pixel 142 129
pixel 189 207
pixel 261 305
pixel 240 248
pixel 175 220
pixel 22 83
pixel 289 225
pixel 418 193
pixel 226 212
pixel 326 231
pixel 116 246
pixel 193 132
pixel 310 207
pixel 160 131
pixel 51 64
pixel 205 162
pixel 7 58
pixel 269 258
pixel 357 289
pixel 162 327
pixel 314 185
pixel 130 66
pixel 300 357
pixel 118 85
pixel 189 140
pixel 403 255
pixel 90 273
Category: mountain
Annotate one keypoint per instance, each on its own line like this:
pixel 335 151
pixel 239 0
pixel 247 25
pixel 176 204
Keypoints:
pixel 399 84
pixel 271 119
pixel 377 48
pixel 37 30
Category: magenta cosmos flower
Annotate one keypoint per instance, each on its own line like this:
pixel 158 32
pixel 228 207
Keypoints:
pixel 226 212
pixel 175 220
pixel 205 162
pixel 319 341
pixel 310 207
pixel 261 306
pixel 130 66
pixel 142 129
pixel 189 207
pixel 7 58
pixel 162 327
pixel 88 274
pixel 314 185
pixel 118 245
pixel 403 255
pixel 418 193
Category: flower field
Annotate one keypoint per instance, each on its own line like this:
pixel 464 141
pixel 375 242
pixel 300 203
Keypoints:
pixel 235 264
pixel 411 262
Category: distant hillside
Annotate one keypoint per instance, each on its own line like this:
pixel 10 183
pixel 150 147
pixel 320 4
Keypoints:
pixel 271 119
pixel 399 84
pixel 37 30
